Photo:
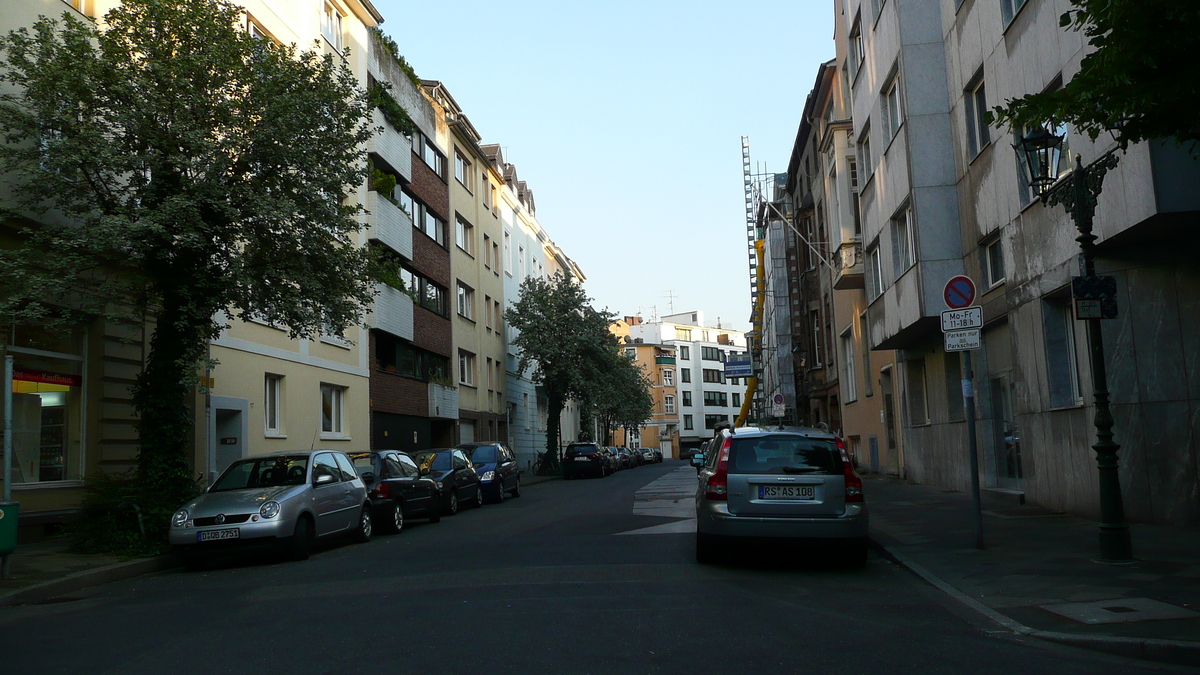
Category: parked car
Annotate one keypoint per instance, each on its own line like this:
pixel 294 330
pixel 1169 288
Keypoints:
pixel 285 500
pixel 455 477
pixel 689 453
pixel 496 465
pixel 627 458
pixel 611 460
pixel 584 459
pixel 786 483
pixel 636 455
pixel 651 455
pixel 396 488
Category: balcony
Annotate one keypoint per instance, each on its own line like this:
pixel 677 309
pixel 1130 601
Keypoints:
pixel 443 401
pixel 664 360
pixel 848 267
pixel 392 146
pixel 390 225
pixel 393 312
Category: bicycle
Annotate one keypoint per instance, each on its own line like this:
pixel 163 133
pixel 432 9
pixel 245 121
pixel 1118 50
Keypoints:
pixel 539 464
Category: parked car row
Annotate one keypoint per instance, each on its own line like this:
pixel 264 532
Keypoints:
pixel 287 501
pixel 589 459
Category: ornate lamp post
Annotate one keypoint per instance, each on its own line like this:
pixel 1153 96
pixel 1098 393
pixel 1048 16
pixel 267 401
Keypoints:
pixel 1077 192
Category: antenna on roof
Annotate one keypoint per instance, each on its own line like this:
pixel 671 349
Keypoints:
pixel 314 443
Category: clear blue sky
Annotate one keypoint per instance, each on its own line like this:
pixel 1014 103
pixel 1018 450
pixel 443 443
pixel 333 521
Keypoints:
pixel 625 118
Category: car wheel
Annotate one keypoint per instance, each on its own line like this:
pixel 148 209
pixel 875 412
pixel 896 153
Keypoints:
pixel 300 546
pixel 516 492
pixel 500 492
pixel 452 506
pixel 397 522
pixel 478 497
pixel 363 533
pixel 706 549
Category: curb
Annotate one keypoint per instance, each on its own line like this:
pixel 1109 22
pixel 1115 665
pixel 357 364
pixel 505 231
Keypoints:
pixel 1180 652
pixel 86 579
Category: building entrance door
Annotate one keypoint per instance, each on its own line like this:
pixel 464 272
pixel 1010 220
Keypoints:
pixel 889 419
pixel 1006 443
pixel 228 433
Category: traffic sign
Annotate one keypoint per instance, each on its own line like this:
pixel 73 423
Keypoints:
pixel 960 319
pixel 1095 308
pixel 1094 287
pixel 959 292
pixel 962 340
pixel 778 399
pixel 778 410
pixel 739 366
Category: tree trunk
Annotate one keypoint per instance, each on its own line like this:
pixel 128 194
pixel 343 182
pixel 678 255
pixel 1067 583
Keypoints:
pixel 555 403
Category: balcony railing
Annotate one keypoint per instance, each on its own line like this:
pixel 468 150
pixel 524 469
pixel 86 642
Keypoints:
pixel 389 224
pixel 391 145
pixel 443 401
pixel 664 360
pixel 392 312
pixel 848 272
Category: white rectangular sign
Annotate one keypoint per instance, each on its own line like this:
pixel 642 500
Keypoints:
pixel 962 340
pixel 777 410
pixel 960 319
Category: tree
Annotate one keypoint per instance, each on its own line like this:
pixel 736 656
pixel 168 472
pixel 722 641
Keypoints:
pixel 181 167
pixel 620 395
pixel 1139 81
pixel 564 338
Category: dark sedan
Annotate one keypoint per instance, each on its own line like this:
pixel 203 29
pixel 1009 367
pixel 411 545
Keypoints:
pixel 583 459
pixel 496 465
pixel 455 477
pixel 396 488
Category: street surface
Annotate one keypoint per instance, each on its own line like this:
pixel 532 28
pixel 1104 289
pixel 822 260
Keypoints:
pixel 585 576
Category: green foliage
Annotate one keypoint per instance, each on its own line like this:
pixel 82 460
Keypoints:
pixel 620 394
pixel 393 112
pixel 1139 82
pixel 179 168
pixel 394 50
pixel 385 184
pixel 109 523
pixel 565 339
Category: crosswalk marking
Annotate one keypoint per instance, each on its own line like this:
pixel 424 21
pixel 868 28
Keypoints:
pixel 670 496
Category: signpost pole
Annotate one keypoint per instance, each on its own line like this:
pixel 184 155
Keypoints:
pixel 968 386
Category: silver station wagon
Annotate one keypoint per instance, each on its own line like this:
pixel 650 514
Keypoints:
pixel 777 484
pixel 285 500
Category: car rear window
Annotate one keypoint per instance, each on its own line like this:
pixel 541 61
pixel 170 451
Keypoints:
pixel 784 454
pixel 581 449
pixel 483 455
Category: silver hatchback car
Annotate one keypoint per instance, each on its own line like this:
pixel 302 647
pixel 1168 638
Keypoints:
pixel 285 499
pixel 785 483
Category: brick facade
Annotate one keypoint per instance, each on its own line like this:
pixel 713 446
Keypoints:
pixel 398 394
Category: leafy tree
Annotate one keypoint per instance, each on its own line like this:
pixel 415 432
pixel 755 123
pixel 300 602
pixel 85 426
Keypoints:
pixel 620 395
pixel 1139 82
pixel 180 167
pixel 565 339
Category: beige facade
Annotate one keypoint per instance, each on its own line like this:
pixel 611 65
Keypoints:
pixel 658 362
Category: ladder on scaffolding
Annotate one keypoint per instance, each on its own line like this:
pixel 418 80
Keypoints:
pixel 751 218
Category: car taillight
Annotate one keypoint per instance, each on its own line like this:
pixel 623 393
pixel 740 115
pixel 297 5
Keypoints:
pixel 593 456
pixel 381 490
pixel 717 487
pixel 854 485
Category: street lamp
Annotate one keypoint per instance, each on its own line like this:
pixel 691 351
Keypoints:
pixel 1078 191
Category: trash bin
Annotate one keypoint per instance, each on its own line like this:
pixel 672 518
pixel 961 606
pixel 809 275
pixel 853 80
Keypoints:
pixel 8 527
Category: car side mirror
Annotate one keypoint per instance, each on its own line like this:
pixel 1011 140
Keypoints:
pixel 697 460
pixel 322 479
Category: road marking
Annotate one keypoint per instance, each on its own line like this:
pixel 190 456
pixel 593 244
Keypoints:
pixel 670 496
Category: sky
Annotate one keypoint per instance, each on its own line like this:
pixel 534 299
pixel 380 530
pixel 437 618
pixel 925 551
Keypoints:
pixel 625 119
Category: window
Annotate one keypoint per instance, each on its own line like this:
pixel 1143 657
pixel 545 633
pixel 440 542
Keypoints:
pixel 489 191
pixel 710 354
pixel 273 404
pixel 464 235
pixel 868 384
pixel 669 405
pixel 686 354
pixel 903 243
pixel 815 322
pixel 848 381
pixel 631 352
pixel 466 368
pixel 1062 370
pixel 487 251
pixel 685 374
pixel 428 152
pixel 331 26
pixel 737 400
pixel 668 378
pixel 332 404
pixel 955 405
pixel 687 423
pixel 976 107
pixel 713 375
pixel 1009 9
pixel 992 255
pixel 466 301
pixel 423 219
pixel 892 114
pixel 858 49
pixel 864 151
pixel 874 274
pixel 508 253
pixel 711 422
pixel 491 376
pixel 499 315
pixel 496 258
pixel 918 403
pixel 683 334
pixel 521 262
pixel 717 399
pixel 462 169
pixel 487 312
pixel 687 398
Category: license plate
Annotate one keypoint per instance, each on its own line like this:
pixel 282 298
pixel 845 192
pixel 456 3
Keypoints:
pixel 787 492
pixel 215 535
pixel 582 459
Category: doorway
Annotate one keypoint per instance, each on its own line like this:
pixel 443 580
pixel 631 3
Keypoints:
pixel 889 419
pixel 228 434
pixel 1005 441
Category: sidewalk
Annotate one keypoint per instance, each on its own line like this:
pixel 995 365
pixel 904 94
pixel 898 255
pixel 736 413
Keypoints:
pixel 1038 570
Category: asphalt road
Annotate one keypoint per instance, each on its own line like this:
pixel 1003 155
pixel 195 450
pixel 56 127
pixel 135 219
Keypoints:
pixel 543 584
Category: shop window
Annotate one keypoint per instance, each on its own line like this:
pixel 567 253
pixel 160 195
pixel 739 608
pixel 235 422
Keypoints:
pixel 48 406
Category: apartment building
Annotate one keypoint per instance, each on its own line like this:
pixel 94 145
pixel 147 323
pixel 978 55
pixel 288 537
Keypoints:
pixel 478 287
pixel 658 362
pixel 706 398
